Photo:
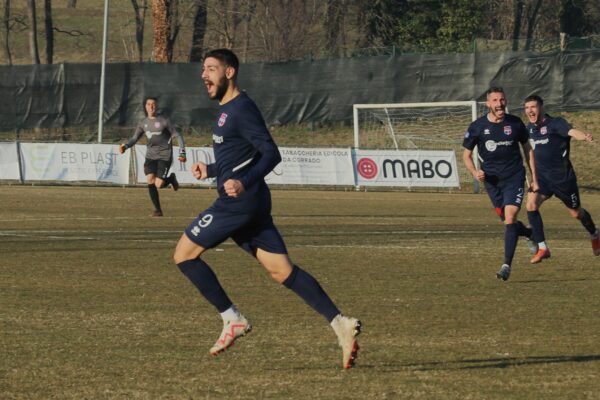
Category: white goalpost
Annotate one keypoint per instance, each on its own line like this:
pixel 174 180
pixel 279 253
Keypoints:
pixel 416 126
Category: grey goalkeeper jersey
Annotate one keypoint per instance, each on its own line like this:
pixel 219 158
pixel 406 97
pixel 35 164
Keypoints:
pixel 160 133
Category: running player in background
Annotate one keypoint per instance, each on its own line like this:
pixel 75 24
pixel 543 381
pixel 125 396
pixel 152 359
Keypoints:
pixel 244 154
pixel 552 141
pixel 497 136
pixel 159 132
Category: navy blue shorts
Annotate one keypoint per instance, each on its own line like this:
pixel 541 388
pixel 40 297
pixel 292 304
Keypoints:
pixel 250 230
pixel 160 168
pixel 506 192
pixel 567 191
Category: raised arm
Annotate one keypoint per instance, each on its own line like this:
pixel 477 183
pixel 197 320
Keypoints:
pixel 580 135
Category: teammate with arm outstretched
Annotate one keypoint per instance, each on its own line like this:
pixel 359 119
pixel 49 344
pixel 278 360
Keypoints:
pixel 552 145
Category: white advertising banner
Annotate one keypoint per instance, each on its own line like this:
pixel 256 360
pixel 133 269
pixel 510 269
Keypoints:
pixel 423 168
pixel 74 162
pixel 313 166
pixel 9 161
pixel 299 166
pixel 182 170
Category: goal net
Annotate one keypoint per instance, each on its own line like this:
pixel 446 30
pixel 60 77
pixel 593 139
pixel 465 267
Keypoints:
pixel 415 126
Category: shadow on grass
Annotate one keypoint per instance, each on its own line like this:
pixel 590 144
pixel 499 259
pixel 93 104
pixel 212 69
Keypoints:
pixel 553 280
pixel 502 362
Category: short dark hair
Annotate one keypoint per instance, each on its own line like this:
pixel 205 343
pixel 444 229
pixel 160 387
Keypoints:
pixel 535 98
pixel 146 100
pixel 494 89
pixel 227 57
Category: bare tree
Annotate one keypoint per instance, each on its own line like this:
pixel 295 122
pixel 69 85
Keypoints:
pixel 517 16
pixel 49 31
pixel 140 19
pixel 198 32
pixel 165 17
pixel 531 22
pixel 33 43
pixel 174 27
pixel 333 23
pixel 160 13
pixel 229 14
pixel 6 29
pixel 289 29
pixel 71 3
pixel 249 11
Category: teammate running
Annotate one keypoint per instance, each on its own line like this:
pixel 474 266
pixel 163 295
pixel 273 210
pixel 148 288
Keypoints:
pixel 556 176
pixel 497 136
pixel 244 154
pixel 159 152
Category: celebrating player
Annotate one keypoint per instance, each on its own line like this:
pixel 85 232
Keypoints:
pixel 244 154
pixel 556 176
pixel 159 152
pixel 497 136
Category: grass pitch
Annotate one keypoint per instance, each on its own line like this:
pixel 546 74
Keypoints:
pixel 92 305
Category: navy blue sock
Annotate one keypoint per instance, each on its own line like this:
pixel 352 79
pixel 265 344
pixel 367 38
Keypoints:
pixel 307 287
pixel 154 197
pixel 510 242
pixel 537 225
pixel 586 221
pixel 205 280
pixel 522 230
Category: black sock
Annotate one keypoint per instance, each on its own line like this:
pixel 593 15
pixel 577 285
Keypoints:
pixel 307 287
pixel 510 242
pixel 586 221
pixel 154 197
pixel 537 225
pixel 522 230
pixel 205 280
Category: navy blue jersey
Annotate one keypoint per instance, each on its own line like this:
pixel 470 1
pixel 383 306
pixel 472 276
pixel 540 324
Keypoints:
pixel 498 145
pixel 243 146
pixel 552 145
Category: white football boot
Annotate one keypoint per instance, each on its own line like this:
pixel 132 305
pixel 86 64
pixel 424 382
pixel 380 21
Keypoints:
pixel 232 330
pixel 347 329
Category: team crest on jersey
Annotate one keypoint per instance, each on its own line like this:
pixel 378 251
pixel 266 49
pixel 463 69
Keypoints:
pixel 157 124
pixel 486 131
pixel 222 119
pixel 508 130
pixel 544 130
pixel 467 134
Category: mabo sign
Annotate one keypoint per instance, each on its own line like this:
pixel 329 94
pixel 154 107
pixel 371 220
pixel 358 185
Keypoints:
pixel 423 168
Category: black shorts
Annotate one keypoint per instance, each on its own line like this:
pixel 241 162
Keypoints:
pixel 251 229
pixel 506 192
pixel 160 168
pixel 567 191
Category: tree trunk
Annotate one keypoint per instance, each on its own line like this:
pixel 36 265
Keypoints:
pixel 71 3
pixel 140 19
pixel 33 43
pixel 199 30
pixel 517 14
pixel 6 28
pixel 49 31
pixel 161 29
pixel 250 9
pixel 531 24
pixel 333 22
pixel 174 25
